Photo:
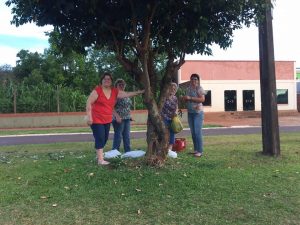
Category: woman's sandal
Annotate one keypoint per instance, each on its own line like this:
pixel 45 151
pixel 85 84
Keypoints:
pixel 103 163
pixel 192 153
pixel 198 155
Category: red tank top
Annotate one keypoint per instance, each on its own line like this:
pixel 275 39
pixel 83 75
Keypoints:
pixel 103 107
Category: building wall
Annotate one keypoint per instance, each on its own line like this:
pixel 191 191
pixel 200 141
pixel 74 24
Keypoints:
pixel 233 70
pixel 218 87
pixel 218 76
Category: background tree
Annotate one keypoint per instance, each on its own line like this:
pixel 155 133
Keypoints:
pixel 27 62
pixel 139 32
pixel 7 79
pixel 6 74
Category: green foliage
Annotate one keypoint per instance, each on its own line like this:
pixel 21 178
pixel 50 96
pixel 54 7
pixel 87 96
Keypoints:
pixel 27 63
pixel 181 92
pixel 40 97
pixel 70 78
pixel 43 78
pixel 138 102
pixel 6 96
pixel 177 26
pixel 6 73
pixel 140 32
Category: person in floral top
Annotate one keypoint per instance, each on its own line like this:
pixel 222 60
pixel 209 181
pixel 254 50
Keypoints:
pixel 121 119
pixel 169 110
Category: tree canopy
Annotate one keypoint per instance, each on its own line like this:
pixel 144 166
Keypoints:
pixel 144 27
pixel 140 31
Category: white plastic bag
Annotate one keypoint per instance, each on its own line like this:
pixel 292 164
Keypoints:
pixel 134 154
pixel 172 154
pixel 111 154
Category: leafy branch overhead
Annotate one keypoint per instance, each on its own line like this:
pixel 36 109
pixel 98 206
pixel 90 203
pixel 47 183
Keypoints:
pixel 139 32
pixel 176 27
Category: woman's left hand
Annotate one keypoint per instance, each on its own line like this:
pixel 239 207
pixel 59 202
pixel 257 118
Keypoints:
pixel 118 119
pixel 186 98
pixel 89 120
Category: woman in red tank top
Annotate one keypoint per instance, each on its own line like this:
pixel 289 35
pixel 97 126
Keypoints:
pixel 99 109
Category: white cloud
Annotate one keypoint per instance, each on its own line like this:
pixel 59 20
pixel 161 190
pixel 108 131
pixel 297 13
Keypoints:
pixel 8 55
pixel 26 30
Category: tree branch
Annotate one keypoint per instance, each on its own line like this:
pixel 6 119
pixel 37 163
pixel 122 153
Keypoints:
pixel 134 26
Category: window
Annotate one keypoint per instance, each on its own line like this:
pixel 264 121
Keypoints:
pixel 282 96
pixel 207 101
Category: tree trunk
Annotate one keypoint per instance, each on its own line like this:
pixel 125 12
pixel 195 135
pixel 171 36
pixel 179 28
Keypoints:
pixel 157 135
pixel 157 132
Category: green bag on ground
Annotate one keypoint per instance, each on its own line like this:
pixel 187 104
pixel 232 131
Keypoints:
pixel 176 125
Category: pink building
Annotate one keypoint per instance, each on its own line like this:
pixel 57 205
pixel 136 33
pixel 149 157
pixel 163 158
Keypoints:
pixel 235 85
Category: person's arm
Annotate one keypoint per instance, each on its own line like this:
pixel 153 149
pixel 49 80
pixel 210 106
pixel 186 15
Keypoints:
pixel 91 99
pixel 117 116
pixel 124 94
pixel 176 110
pixel 198 99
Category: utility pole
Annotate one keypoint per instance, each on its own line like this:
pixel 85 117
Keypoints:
pixel 269 112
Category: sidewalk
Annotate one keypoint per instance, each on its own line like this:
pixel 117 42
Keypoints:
pixel 228 119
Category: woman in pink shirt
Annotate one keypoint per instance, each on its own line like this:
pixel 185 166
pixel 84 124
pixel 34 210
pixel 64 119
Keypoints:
pixel 99 109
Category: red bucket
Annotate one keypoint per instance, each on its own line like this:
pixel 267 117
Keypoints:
pixel 179 145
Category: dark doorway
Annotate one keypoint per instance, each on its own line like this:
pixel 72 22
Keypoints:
pixel 248 100
pixel 230 100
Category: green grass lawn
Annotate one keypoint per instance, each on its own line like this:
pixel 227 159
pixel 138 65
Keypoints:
pixel 233 183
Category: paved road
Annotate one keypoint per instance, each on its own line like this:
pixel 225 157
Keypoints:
pixel 82 137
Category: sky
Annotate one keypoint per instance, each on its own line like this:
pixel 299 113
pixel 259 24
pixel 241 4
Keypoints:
pixel 286 35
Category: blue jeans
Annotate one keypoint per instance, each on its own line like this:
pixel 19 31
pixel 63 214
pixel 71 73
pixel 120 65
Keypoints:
pixel 100 133
pixel 195 123
pixel 122 130
pixel 172 135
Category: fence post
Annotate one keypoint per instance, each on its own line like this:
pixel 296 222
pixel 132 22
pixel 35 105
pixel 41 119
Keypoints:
pixel 134 99
pixel 57 99
pixel 15 100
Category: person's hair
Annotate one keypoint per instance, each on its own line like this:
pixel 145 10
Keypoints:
pixel 104 75
pixel 195 75
pixel 175 85
pixel 119 81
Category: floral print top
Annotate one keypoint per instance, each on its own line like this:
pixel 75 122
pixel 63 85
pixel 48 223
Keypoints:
pixel 122 107
pixel 169 108
pixel 194 107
